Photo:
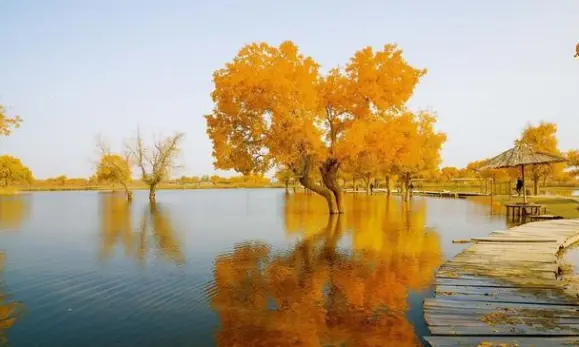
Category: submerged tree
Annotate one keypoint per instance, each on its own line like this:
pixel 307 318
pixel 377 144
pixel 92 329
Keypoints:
pixel 114 168
pixel 156 161
pixel 7 124
pixel 285 176
pixel 274 107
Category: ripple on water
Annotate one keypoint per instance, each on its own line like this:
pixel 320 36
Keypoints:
pixel 95 271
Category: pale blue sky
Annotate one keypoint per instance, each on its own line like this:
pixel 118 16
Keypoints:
pixel 74 69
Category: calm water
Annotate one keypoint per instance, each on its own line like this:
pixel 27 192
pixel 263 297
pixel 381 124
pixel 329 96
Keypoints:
pixel 223 268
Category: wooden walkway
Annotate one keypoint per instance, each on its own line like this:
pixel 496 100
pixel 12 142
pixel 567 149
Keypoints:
pixel 438 194
pixel 506 290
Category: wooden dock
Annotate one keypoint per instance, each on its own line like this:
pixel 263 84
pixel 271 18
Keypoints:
pixel 506 290
pixel 438 194
pixel 447 194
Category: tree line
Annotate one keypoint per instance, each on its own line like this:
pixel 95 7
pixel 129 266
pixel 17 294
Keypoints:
pixel 153 161
pixel 542 137
pixel 275 109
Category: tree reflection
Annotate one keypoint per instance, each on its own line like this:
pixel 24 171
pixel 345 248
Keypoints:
pixel 14 210
pixel 10 311
pixel 116 224
pixel 322 291
pixel 155 231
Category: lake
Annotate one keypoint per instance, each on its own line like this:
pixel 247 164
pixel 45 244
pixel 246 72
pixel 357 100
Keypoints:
pixel 223 268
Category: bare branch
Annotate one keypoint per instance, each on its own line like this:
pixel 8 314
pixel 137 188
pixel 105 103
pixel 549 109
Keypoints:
pixel 156 161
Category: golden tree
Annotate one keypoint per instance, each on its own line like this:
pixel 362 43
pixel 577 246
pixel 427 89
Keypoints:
pixel 420 146
pixel 573 162
pixel 542 137
pixel 449 173
pixel 274 107
pixel 7 124
pixel 13 171
pixel 114 168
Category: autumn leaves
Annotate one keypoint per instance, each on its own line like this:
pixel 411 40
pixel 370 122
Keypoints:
pixel 273 107
pixel 7 124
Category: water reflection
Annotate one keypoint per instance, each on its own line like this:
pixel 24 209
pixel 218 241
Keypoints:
pixel 10 310
pixel 345 282
pixel 14 211
pixel 138 234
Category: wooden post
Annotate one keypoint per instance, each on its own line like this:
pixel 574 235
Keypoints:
pixel 524 188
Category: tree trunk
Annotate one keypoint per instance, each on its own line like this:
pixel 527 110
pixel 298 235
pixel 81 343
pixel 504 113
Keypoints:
pixel 544 181
pixel 127 192
pixel 310 184
pixel 535 184
pixel 329 172
pixel 406 186
pixel 152 189
pixel 387 179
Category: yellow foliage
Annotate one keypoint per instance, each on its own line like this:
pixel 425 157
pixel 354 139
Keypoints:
pixel 7 124
pixel 473 170
pixel 113 168
pixel 542 137
pixel 13 171
pixel 573 161
pixel 274 107
pixel 449 173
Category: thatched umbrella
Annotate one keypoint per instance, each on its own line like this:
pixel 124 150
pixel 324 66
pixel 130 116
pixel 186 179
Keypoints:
pixel 521 155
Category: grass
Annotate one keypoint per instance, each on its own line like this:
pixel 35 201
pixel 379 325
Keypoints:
pixel 565 207
pixel 499 189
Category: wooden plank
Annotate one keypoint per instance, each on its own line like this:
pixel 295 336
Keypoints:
pixel 523 295
pixel 511 239
pixel 493 341
pixel 505 306
pixel 503 330
pixel 519 276
pixel 482 283
pixel 448 319
pixel 507 266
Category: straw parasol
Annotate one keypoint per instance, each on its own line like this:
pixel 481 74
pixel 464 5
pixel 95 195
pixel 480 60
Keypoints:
pixel 521 155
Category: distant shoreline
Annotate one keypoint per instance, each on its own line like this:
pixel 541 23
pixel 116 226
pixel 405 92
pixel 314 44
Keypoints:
pixel 97 188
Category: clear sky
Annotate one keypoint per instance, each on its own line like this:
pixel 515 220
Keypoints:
pixel 73 69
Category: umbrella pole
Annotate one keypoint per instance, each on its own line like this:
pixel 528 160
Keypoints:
pixel 523 178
